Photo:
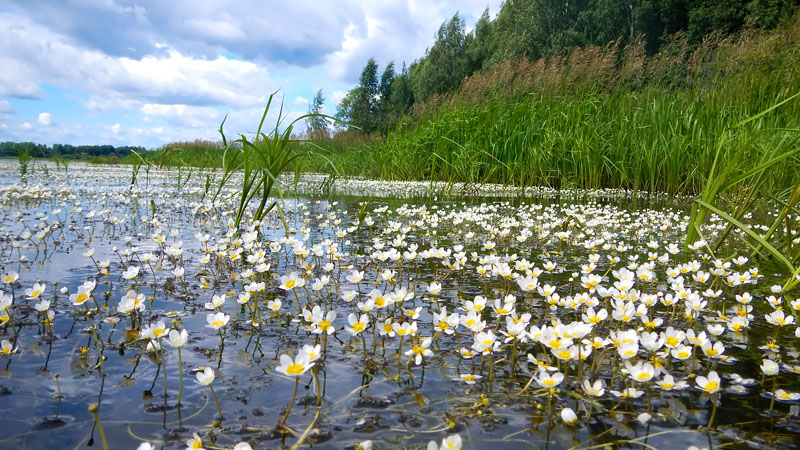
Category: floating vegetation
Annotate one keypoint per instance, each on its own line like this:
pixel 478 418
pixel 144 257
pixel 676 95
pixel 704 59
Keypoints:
pixel 134 312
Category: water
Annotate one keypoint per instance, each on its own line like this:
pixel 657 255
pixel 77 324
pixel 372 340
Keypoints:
pixel 384 397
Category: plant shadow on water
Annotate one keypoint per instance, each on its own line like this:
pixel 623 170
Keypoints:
pixel 564 320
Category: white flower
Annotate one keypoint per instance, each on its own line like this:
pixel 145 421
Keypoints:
pixel 216 302
pixel 420 350
pixel 217 320
pixel 295 367
pixel 178 339
pixel 449 443
pixel 769 367
pixel 206 376
pixel 568 416
pixel 548 380
pixel 130 273
pixel 291 281
pixel 710 384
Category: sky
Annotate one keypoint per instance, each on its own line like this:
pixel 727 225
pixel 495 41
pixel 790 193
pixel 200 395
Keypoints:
pixel 150 72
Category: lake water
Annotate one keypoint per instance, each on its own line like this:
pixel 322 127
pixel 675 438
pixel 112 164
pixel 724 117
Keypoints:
pixel 591 286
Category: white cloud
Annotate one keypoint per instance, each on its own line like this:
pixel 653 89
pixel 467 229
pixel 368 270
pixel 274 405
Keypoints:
pixel 6 110
pixel 32 55
pixel 183 115
pixel 45 118
pixel 26 126
pixel 115 128
pixel 337 96
pixel 300 101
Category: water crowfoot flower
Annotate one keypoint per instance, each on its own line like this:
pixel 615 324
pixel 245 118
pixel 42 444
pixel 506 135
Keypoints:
pixel 6 347
pixel 293 367
pixel 449 443
pixel 568 416
pixel 177 339
pixel 206 377
pixel 217 320
pixel 419 350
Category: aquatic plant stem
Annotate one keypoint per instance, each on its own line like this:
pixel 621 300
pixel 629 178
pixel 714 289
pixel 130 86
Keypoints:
pixel 713 411
pixel 180 387
pixel 291 403
pixel 216 401
pixel 94 410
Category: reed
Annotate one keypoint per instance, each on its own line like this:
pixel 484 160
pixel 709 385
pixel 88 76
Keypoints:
pixel 263 159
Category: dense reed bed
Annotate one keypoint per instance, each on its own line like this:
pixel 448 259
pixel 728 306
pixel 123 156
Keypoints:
pixel 602 118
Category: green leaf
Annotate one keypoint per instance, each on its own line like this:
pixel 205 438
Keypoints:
pixel 774 252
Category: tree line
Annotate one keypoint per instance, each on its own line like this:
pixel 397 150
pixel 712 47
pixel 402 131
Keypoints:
pixel 64 150
pixel 534 29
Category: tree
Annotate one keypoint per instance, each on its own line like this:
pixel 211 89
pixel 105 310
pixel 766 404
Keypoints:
pixel 384 106
pixel 363 111
pixel 482 45
pixel 402 95
pixel 445 64
pixel 344 110
pixel 317 127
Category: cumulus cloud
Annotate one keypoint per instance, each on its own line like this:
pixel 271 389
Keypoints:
pixel 45 118
pixel 183 115
pixel 6 109
pixel 33 55
pixel 6 106
pixel 300 32
pixel 300 101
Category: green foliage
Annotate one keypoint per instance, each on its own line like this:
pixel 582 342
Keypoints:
pixel 316 125
pixel 24 158
pixel 365 100
pixel 64 151
pixel 263 159
pixel 445 64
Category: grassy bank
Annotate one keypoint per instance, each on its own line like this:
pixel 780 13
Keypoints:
pixel 602 117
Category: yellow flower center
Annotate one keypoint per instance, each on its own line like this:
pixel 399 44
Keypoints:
pixel 295 369
pixel 290 284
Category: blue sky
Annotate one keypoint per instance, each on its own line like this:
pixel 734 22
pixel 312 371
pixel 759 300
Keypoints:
pixel 148 72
